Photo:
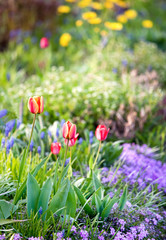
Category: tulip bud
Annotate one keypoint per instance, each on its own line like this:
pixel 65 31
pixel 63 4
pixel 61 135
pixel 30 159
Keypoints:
pixel 72 141
pixel 36 104
pixel 44 42
pixel 69 130
pixel 101 132
pixel 55 148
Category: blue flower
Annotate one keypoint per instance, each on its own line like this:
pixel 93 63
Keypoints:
pixel 8 147
pixel 3 113
pixel 3 143
pixel 91 134
pixel 124 63
pixel 57 132
pixel 18 123
pixel 80 140
pixel 42 135
pixel 31 145
pixel 40 210
pixel 55 140
pixel 9 127
pixel 57 114
pixel 46 113
pixel 115 70
pixel 91 140
pixel 39 150
pixel 8 76
pixel 62 122
pixel 67 161
pixel 49 133
pixel 11 142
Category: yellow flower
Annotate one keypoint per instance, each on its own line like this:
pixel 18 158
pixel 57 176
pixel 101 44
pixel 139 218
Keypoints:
pixel 104 33
pixel 79 23
pixel 94 20
pixel 108 4
pixel 97 5
pixel 121 4
pixel 96 29
pixel 84 3
pixel 89 15
pixel 65 39
pixel 114 26
pixel 71 1
pixel 63 9
pixel 147 24
pixel 121 18
pixel 130 14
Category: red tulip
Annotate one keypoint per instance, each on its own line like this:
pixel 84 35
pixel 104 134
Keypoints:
pixel 44 42
pixel 101 132
pixel 69 130
pixel 36 104
pixel 72 141
pixel 55 148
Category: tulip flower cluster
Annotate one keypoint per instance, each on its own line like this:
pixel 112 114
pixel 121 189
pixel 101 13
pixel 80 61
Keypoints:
pixel 36 106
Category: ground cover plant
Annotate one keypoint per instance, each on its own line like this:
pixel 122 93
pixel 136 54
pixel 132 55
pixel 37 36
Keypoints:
pixel 73 189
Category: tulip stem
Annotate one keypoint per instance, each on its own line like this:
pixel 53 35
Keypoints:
pixel 33 124
pixel 97 155
pixel 63 163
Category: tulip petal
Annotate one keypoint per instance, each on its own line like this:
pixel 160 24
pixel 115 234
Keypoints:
pixel 41 104
pixel 72 131
pixel 33 106
pixel 65 130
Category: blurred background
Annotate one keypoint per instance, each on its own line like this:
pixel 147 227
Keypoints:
pixel 93 61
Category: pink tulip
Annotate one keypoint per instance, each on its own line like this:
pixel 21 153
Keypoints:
pixel 44 42
pixel 101 132
pixel 36 104
pixel 55 148
pixel 69 130
pixel 72 141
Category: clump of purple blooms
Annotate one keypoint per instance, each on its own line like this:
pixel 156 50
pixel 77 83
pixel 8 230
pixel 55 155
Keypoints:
pixel 139 167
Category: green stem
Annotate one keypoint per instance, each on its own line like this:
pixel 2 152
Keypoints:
pixel 63 164
pixel 33 124
pixel 97 155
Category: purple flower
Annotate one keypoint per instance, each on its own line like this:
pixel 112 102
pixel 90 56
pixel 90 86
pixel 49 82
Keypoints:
pixel 40 210
pixel 18 123
pixel 17 236
pixel 139 167
pixel 11 142
pixel 115 70
pixel 39 150
pixel 8 76
pixel 49 133
pixel 8 147
pixel 9 127
pixel 67 161
pixel 80 141
pixel 2 237
pixel 55 140
pixel 3 143
pixel 3 113
pixel 112 231
pixel 42 135
pixel 62 122
pixel 101 238
pixel 31 145
pixel 84 234
pixel 46 113
pixel 57 132
pixel 74 229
